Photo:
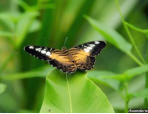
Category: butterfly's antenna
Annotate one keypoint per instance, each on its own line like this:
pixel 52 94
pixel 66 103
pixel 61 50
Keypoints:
pixel 66 38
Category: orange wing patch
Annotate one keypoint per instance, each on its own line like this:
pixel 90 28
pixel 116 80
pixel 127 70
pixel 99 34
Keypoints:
pixel 62 60
pixel 82 59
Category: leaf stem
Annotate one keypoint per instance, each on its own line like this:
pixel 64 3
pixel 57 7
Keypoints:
pixel 145 31
pixel 135 59
pixel 69 95
pixel 146 86
pixel 128 33
pixel 126 100
pixel 126 106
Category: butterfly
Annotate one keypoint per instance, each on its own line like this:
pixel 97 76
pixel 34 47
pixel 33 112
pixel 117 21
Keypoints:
pixel 81 57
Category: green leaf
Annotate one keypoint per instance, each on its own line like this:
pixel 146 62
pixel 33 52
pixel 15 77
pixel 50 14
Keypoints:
pixel 40 72
pixel 23 26
pixel 36 25
pixel 143 93
pixel 136 71
pixel 114 38
pixel 113 80
pixel 111 35
pixel 130 73
pixel 8 19
pixel 103 77
pixel 2 88
pixel 76 94
pixel 23 5
pixel 6 34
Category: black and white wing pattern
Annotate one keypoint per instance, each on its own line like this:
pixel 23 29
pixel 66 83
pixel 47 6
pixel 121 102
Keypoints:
pixel 40 52
pixel 93 47
pixel 58 58
pixel 81 57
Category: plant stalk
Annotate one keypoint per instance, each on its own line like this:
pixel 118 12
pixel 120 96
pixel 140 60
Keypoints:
pixel 128 33
pixel 68 89
pixel 146 86
pixel 135 59
pixel 126 97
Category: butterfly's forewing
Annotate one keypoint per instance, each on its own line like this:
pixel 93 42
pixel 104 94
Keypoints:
pixel 84 55
pixel 40 52
pixel 93 47
pixel 57 58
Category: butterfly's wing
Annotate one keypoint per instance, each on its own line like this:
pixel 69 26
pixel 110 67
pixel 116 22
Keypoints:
pixel 93 47
pixel 82 60
pixel 62 60
pixel 57 58
pixel 84 55
pixel 39 52
pixel 80 57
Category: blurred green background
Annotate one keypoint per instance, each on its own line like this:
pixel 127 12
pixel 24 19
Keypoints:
pixel 48 23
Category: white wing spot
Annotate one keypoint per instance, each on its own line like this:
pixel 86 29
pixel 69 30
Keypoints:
pixel 86 50
pixel 38 49
pixel 48 53
pixel 31 47
pixel 96 42
pixel 91 45
pixel 89 48
pixel 43 51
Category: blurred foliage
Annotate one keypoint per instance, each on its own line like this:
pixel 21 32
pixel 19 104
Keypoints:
pixel 121 70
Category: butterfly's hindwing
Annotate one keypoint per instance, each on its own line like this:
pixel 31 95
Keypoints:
pixel 82 59
pixel 62 60
pixel 89 64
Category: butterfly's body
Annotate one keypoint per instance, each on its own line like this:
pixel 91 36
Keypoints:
pixel 81 57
